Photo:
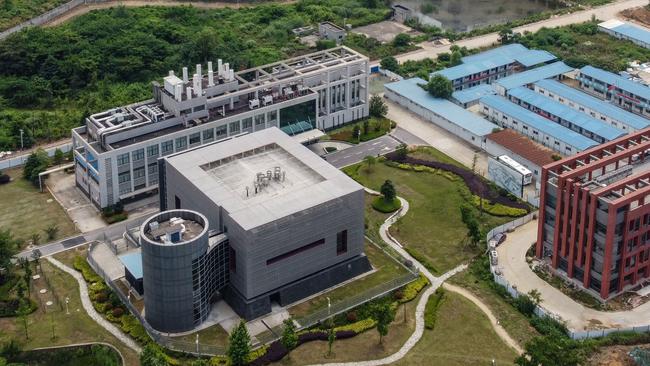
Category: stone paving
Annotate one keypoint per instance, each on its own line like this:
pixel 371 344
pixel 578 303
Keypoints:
pixel 88 306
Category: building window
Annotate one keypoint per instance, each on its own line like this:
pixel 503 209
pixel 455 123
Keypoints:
pixel 124 177
pixel 208 135
pixel 234 127
pixel 341 242
pixel 152 168
pixel 247 123
pixel 222 131
pixel 138 155
pixel 152 150
pixel 122 159
pixel 295 251
pixel 272 115
pixel 138 173
pixel 195 138
pixel 259 120
pixel 181 143
pixel 168 147
pixel 177 203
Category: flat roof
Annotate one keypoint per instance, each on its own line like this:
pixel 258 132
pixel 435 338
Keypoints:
pixel 450 111
pixel 133 263
pixel 533 75
pixel 523 146
pixel 473 93
pixel 289 177
pixel 515 51
pixel 627 29
pixel 617 80
pixel 593 103
pixel 546 126
pixel 467 69
pixel 567 113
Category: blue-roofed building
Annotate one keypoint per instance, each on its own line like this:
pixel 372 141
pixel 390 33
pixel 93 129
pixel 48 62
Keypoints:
pixel 582 123
pixel 627 31
pixel 515 51
pixel 469 97
pixel 441 112
pixel 490 65
pixel 597 108
pixel 555 70
pixel 133 270
pixel 550 134
pixel 623 92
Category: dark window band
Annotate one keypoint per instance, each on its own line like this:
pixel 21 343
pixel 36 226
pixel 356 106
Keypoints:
pixel 295 251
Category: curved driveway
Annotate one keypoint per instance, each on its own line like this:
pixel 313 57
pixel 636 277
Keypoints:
pixel 512 262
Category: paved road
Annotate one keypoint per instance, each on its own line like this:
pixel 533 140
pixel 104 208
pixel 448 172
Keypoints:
pixel 19 160
pixel 407 137
pixel 512 262
pixel 355 154
pixel 112 231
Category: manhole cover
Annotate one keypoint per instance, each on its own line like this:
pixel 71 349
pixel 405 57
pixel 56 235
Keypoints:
pixel 43 291
pixel 49 303
pixel 36 277
pixel 50 200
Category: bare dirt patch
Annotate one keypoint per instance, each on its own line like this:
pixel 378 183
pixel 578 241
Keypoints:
pixel 640 14
pixel 612 356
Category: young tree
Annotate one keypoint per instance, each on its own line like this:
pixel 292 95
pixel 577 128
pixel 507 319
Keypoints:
pixel 388 191
pixel 356 131
pixel 402 151
pixel 383 315
pixel 27 275
pixel 535 296
pixel 59 157
pixel 378 107
pixel 239 345
pixel 401 40
pixel 331 337
pixel 36 163
pixel 551 350
pixel 505 35
pixel 8 248
pixel 35 238
pixel 456 58
pixel 22 312
pixel 289 337
pixel 51 231
pixel 36 257
pixel 389 63
pixel 439 86
pixel 369 161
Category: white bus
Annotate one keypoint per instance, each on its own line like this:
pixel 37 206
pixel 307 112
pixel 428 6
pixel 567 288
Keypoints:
pixel 528 175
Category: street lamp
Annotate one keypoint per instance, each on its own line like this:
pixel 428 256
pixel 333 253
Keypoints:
pixel 67 300
pixel 329 307
pixel 22 146
pixel 197 344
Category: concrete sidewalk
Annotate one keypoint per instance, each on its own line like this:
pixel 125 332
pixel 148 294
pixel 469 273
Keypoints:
pixel 512 262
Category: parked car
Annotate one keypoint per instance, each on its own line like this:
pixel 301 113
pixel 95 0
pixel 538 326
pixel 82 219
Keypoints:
pixel 499 238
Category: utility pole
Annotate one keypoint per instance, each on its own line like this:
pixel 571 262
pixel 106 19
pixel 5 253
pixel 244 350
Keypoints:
pixel 22 146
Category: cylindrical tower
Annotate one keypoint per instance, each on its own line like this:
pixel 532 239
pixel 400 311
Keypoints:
pixel 173 246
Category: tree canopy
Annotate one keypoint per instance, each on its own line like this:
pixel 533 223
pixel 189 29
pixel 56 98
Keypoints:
pixel 388 191
pixel 378 107
pixel 239 345
pixel 389 63
pixel 36 163
pixel 439 86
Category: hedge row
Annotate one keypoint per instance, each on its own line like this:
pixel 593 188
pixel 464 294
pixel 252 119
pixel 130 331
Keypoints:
pixel 412 290
pixel 431 310
pixel 498 209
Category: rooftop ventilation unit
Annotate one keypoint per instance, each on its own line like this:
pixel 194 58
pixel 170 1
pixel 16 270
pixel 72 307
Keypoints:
pixel 254 103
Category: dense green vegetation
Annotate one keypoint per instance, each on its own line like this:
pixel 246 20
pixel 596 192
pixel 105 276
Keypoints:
pixel 582 44
pixel 50 78
pixel 96 355
pixel 13 12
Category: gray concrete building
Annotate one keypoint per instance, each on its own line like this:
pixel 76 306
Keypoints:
pixel 183 266
pixel 294 224
pixel 116 151
pixel 331 31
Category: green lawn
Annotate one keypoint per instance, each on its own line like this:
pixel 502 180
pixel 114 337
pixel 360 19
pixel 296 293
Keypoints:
pixel 386 269
pixel 432 228
pixel 462 336
pixel 214 335
pixel 514 322
pixel 24 210
pixel 376 127
pixel 76 327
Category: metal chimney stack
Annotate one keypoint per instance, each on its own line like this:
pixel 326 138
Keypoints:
pixel 185 79
pixel 198 70
pixel 210 74
pixel 220 68
pixel 197 84
pixel 171 72
pixel 188 92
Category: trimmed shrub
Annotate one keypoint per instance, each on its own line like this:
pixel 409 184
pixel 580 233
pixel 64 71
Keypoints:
pixel 381 205
pixel 117 312
pixel 358 327
pixel 131 325
pixel 412 290
pixel 431 310
pixel 87 272
pixel 498 209
pixel 351 316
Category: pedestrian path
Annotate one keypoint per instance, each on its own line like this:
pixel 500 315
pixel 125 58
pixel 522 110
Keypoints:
pixel 436 282
pixel 88 306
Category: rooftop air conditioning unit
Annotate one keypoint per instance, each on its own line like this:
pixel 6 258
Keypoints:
pixel 267 99
pixel 253 103
pixel 153 225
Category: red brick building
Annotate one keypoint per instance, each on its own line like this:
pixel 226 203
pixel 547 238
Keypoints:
pixel 595 213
